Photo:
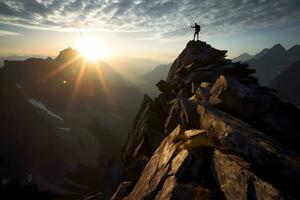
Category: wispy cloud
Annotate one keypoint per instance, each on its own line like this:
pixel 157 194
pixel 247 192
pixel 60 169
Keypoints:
pixel 5 33
pixel 162 17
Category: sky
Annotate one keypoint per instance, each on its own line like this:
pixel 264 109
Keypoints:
pixel 156 29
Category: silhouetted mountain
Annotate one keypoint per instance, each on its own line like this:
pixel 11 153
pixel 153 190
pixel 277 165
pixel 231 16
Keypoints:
pixel 261 53
pixel 16 57
pixel 288 84
pixel 270 62
pixel 294 52
pixel 27 141
pixel 243 57
pixel 50 103
pixel 212 133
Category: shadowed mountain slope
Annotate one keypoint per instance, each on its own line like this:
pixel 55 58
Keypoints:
pixel 288 84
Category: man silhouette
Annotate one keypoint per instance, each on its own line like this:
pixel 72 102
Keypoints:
pixel 197 30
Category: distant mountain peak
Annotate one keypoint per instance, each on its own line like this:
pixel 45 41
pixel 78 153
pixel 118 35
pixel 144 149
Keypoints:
pixel 294 48
pixel 278 46
pixel 67 54
pixel 243 57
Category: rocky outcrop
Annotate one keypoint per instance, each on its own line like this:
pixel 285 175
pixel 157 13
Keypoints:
pixel 221 135
pixel 237 182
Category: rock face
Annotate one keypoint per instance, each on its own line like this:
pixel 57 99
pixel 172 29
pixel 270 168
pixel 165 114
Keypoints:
pixel 213 133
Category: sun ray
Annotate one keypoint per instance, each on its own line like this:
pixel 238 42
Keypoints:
pixel 104 85
pixel 61 67
pixel 77 86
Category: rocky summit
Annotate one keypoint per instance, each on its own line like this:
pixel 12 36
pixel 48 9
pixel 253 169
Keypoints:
pixel 212 133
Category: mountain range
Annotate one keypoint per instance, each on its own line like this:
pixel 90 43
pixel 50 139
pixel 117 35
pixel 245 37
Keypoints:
pixel 82 109
pixel 270 62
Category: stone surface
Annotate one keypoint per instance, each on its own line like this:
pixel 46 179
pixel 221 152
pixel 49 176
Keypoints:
pixel 165 162
pixel 172 190
pixel 194 51
pixel 234 139
pixel 262 151
pixel 239 183
pixel 163 86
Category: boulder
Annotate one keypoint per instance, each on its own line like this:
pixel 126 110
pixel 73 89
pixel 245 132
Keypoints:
pixel 165 163
pixel 237 182
pixel 183 112
pixel 229 95
pixel 163 86
pixel 258 107
pixel 173 190
pixel 266 155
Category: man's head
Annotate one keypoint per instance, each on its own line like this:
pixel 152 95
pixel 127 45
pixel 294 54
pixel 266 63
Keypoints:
pixel 195 23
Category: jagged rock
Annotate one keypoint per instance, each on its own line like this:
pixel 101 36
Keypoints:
pixel 166 162
pixel 196 77
pixel 229 94
pixel 146 133
pixel 189 114
pixel 202 93
pixel 123 190
pixel 173 118
pixel 172 190
pixel 164 86
pixel 206 85
pixel 239 183
pixel 261 150
pixel 194 51
pixel 184 112
pixel 257 106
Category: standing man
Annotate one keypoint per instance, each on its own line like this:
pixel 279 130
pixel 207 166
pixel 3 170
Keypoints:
pixel 197 30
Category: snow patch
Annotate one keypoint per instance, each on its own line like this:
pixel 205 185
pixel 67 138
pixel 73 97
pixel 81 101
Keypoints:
pixel 43 107
pixel 19 86
pixel 65 129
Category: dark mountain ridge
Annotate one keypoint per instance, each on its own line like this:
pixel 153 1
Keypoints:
pixel 44 105
pixel 287 83
pixel 270 62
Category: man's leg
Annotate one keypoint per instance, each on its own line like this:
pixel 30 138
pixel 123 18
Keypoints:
pixel 197 35
pixel 194 35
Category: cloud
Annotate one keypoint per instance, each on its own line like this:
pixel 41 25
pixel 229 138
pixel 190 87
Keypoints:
pixel 162 17
pixel 6 33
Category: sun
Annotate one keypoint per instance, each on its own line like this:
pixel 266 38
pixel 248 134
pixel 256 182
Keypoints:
pixel 92 48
